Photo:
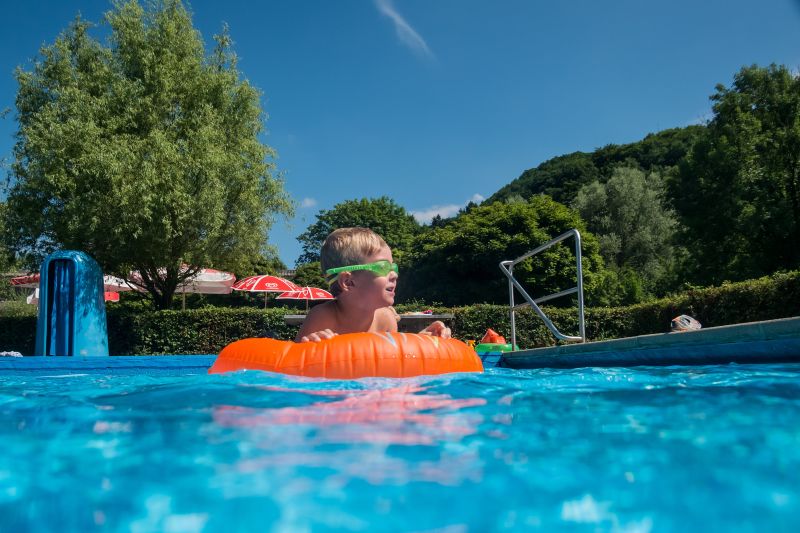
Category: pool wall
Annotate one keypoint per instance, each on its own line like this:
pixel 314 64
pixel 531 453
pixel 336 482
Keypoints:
pixel 128 364
pixel 772 341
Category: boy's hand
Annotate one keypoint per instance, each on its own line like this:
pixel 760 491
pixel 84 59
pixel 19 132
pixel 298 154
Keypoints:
pixel 318 336
pixel 437 329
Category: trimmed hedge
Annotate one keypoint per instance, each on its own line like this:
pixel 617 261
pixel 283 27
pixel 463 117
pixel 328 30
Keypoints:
pixel 193 331
pixel 208 330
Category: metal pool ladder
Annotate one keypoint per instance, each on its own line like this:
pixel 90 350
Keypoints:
pixel 508 269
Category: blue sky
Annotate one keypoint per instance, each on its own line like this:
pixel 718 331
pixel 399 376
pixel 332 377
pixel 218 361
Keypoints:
pixel 437 102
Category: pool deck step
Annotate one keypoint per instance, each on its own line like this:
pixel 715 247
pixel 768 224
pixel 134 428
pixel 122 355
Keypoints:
pixel 771 341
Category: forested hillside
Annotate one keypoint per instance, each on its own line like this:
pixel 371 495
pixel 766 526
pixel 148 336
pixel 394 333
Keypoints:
pixel 561 177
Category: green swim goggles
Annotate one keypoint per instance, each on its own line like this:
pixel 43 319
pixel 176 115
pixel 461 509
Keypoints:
pixel 379 268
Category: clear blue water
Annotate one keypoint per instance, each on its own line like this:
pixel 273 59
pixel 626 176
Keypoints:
pixel 173 449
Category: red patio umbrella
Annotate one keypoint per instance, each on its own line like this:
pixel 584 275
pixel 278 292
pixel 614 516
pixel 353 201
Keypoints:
pixel 266 284
pixel 307 294
pixel 31 281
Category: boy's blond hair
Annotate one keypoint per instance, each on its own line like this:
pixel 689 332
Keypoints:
pixel 348 246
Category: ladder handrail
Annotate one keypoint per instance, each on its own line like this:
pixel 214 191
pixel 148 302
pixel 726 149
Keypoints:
pixel 508 269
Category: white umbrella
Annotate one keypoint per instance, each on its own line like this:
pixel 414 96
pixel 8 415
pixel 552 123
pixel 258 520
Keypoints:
pixel 206 281
pixel 115 284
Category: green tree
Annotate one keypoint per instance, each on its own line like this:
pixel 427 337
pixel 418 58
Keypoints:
pixel 458 264
pixel 382 215
pixel 633 225
pixel 268 262
pixel 437 221
pixel 310 275
pixel 144 152
pixel 660 150
pixel 559 178
pixel 738 193
pixel 6 256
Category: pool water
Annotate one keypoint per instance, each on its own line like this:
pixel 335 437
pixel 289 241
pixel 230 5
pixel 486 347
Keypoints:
pixel 173 449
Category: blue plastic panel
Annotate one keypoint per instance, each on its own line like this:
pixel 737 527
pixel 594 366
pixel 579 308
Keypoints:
pixel 72 311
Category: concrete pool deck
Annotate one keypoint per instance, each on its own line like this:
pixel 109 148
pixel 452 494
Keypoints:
pixel 772 341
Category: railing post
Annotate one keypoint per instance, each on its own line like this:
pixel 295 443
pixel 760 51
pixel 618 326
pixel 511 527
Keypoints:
pixel 579 270
pixel 512 319
pixel 507 267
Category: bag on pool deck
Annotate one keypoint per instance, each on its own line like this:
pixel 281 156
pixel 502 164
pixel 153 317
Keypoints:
pixel 684 323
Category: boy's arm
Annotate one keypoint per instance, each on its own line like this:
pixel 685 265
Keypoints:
pixel 437 329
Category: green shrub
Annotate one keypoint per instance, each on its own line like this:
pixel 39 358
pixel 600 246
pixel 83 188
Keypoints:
pixel 17 333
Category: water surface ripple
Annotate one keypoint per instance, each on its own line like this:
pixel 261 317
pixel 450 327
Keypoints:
pixel 661 449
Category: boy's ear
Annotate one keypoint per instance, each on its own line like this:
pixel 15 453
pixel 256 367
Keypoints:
pixel 346 281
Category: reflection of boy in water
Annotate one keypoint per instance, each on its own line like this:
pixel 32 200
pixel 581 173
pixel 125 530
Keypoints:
pixel 358 265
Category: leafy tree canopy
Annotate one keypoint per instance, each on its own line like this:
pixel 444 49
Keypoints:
pixel 738 193
pixel 268 262
pixel 6 256
pixel 458 263
pixel 559 178
pixel 310 275
pixel 562 177
pixel 633 224
pixel 659 150
pixel 381 215
pixel 143 151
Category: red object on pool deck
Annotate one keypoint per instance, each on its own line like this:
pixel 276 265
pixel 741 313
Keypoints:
pixel 351 356
pixel 492 337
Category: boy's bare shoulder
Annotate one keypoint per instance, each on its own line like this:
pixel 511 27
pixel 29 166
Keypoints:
pixel 322 316
pixel 323 308
pixel 387 319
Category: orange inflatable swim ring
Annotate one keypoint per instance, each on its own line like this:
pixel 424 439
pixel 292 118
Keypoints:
pixel 352 355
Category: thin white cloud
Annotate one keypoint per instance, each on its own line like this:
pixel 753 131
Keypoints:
pixel 424 216
pixel 407 35
pixel 702 119
pixel 308 202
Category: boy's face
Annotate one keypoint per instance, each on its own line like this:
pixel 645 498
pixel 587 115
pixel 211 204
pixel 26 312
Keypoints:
pixel 377 290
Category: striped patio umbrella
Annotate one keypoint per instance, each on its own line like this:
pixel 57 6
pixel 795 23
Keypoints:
pixel 30 281
pixel 307 294
pixel 266 284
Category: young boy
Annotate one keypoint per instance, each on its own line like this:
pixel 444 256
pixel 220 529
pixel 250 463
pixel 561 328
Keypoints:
pixel 358 264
